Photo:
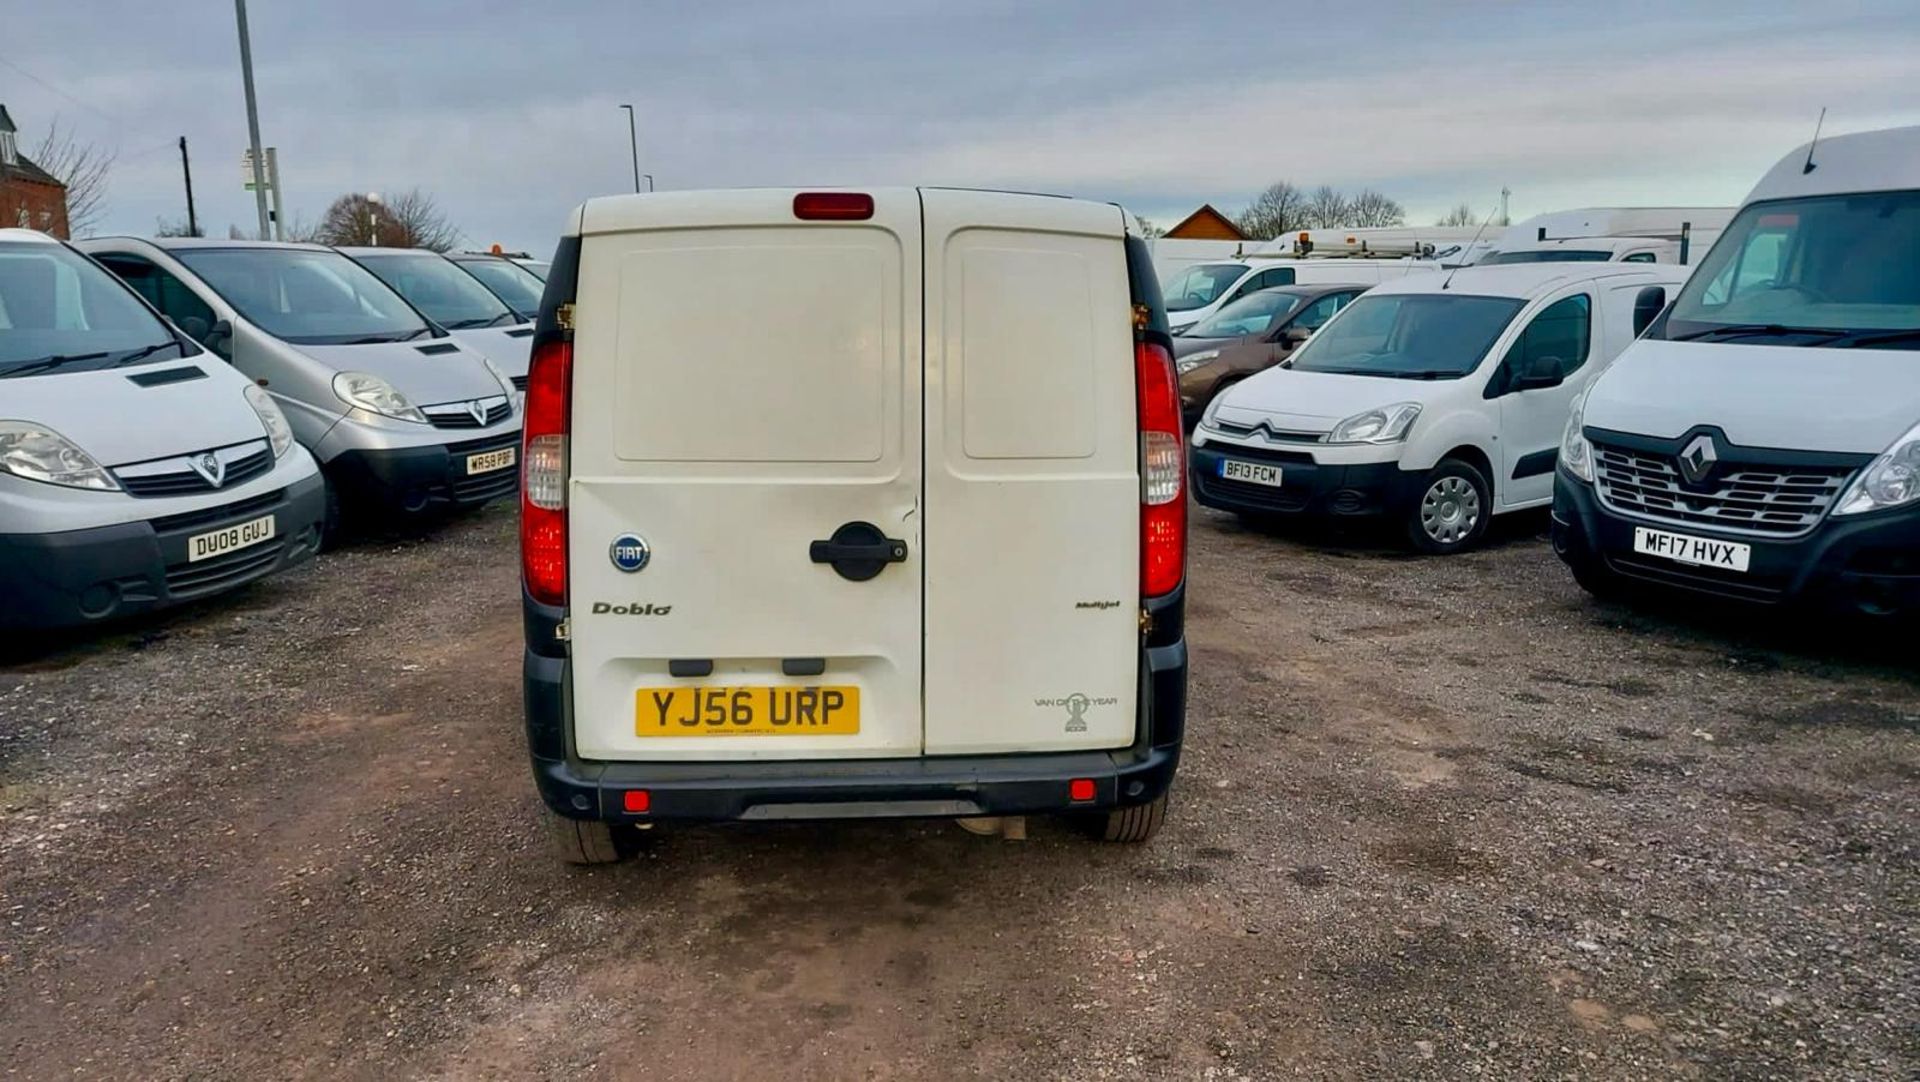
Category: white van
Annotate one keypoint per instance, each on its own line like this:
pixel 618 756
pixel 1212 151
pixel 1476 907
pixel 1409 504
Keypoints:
pixel 1762 442
pixel 1436 401
pixel 1195 293
pixel 136 471
pixel 448 294
pixel 907 539
pixel 1607 235
pixel 401 416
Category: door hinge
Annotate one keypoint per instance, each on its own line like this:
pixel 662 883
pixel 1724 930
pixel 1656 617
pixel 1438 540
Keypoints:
pixel 563 629
pixel 563 315
pixel 1146 622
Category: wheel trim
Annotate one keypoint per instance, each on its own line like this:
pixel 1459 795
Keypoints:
pixel 1450 510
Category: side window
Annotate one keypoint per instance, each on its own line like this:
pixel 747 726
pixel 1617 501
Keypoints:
pixel 164 291
pixel 1313 315
pixel 1639 257
pixel 1555 344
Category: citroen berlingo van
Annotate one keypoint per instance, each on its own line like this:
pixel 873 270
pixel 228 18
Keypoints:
pixel 909 542
pixel 136 471
pixel 1762 442
pixel 401 416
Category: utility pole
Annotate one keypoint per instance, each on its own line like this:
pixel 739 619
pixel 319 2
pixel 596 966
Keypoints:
pixel 186 171
pixel 633 142
pixel 1504 193
pixel 273 178
pixel 253 118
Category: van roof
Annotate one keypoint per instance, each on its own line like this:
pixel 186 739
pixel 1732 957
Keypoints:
pixel 26 236
pixel 694 209
pixel 1524 281
pixel 1868 161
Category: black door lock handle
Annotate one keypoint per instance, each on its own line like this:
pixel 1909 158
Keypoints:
pixel 858 551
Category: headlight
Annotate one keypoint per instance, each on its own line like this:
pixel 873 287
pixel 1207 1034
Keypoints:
pixel 38 453
pixel 375 394
pixel 1194 360
pixel 1576 454
pixel 1892 480
pixel 1389 424
pixel 278 432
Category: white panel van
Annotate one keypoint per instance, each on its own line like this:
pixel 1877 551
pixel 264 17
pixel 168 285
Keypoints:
pixel 849 504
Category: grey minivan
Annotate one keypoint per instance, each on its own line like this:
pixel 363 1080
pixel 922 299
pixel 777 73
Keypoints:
pixel 400 414
pixel 136 471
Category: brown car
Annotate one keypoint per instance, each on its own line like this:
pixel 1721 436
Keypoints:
pixel 1252 334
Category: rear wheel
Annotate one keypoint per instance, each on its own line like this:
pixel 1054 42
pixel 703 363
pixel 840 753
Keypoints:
pixel 1134 824
pixel 585 841
pixel 1450 514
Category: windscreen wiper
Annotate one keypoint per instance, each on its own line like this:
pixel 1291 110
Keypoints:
pixel 48 364
pixel 1748 330
pixel 145 352
pixel 1879 338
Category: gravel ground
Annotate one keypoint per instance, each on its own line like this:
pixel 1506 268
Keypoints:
pixel 1437 819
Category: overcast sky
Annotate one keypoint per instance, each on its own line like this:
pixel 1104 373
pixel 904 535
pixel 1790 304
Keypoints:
pixel 509 113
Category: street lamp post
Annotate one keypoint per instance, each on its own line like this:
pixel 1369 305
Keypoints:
pixel 373 219
pixel 633 143
pixel 253 118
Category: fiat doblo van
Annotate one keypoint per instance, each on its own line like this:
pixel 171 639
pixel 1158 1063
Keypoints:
pixel 907 540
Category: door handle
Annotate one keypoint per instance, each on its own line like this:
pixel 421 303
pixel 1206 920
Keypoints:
pixel 858 551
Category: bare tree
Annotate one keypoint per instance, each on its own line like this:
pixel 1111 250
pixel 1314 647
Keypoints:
pixel 175 227
pixel 1147 229
pixel 1460 215
pixel 1272 212
pixel 1325 209
pixel 1370 209
pixel 409 220
pixel 83 168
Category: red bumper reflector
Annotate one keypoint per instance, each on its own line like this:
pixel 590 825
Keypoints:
pixel 636 801
pixel 1080 790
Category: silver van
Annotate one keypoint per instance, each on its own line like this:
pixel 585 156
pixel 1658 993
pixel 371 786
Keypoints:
pixel 136 472
pixel 400 414
pixel 457 300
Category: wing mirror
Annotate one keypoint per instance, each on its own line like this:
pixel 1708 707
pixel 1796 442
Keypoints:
pixel 1539 374
pixel 1647 306
pixel 219 337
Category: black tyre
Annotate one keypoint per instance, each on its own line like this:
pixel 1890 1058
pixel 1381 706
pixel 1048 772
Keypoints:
pixel 333 518
pixel 1599 583
pixel 586 841
pixel 1450 510
pixel 1134 824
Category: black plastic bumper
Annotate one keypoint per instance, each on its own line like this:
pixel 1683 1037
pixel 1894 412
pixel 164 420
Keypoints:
pixel 1307 487
pixel 920 787
pixel 1867 564
pixel 417 478
pixel 80 577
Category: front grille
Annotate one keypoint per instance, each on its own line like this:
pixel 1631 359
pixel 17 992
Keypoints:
pixel 177 476
pixel 486 486
pixel 1261 454
pixel 1709 580
pixel 1277 435
pixel 1242 494
pixel 519 383
pixel 230 512
pixel 1772 501
pixel 460 414
pixel 220 572
pixel 484 443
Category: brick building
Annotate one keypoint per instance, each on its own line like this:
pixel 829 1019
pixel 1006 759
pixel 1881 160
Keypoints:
pixel 30 197
pixel 1206 224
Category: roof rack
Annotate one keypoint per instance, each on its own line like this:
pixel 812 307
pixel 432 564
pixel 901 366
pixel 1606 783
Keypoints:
pixel 1389 242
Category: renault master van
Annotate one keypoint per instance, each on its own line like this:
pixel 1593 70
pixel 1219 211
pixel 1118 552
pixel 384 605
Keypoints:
pixel 456 300
pixel 1762 442
pixel 910 542
pixel 1435 401
pixel 401 416
pixel 136 470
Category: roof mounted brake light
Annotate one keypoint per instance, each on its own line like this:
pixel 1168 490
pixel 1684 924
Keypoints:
pixel 833 206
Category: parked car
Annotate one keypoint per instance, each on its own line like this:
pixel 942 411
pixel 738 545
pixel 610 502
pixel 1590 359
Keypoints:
pixel 444 292
pixel 950 446
pixel 1250 335
pixel 400 415
pixel 1196 293
pixel 1762 442
pixel 136 472
pixel 536 267
pixel 1435 401
pixel 516 286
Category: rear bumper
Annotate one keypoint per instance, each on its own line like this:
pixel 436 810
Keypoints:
pixel 78 577
pixel 920 787
pixel 417 478
pixel 1869 564
pixel 1307 488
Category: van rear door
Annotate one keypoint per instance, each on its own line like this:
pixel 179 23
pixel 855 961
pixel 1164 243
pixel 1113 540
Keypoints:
pixel 745 553
pixel 1032 515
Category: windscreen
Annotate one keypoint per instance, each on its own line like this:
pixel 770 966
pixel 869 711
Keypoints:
pixel 58 310
pixel 1255 314
pixel 306 295
pixel 434 284
pixel 1409 336
pixel 1835 270
pixel 1197 287
pixel 1547 255
pixel 511 282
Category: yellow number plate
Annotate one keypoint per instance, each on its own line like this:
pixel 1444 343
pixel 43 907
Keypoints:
pixel 747 711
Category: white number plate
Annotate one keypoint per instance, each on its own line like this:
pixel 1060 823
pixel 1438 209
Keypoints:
pixel 490 461
pixel 220 542
pixel 1698 551
pixel 1253 473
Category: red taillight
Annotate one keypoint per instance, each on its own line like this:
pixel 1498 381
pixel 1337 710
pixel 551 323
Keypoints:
pixel 543 478
pixel 833 206
pixel 1163 473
